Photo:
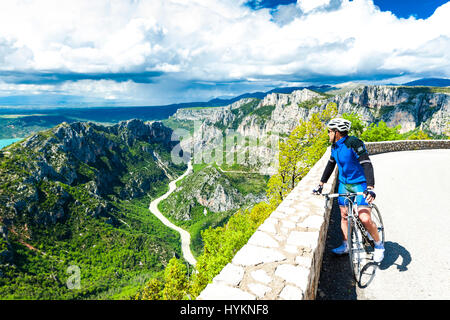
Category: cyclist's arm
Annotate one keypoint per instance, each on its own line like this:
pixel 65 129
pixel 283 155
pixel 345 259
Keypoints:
pixel 363 157
pixel 365 162
pixel 328 171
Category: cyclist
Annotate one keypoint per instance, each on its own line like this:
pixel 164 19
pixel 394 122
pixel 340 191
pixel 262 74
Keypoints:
pixel 355 175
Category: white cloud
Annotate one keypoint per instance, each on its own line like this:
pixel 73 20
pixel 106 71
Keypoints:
pixel 218 40
pixel 309 5
pixel 7 89
pixel 100 89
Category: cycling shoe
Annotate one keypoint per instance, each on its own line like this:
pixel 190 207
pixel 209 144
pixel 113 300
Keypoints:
pixel 343 249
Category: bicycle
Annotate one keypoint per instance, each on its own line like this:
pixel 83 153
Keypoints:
pixel 360 243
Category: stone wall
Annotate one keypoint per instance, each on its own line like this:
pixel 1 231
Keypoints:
pixel 406 145
pixel 283 258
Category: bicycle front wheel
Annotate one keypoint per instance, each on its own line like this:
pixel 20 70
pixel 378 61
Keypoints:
pixel 355 249
pixel 376 218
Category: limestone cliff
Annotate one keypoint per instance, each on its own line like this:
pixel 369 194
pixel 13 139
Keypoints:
pixel 411 107
pixel 83 164
pixel 277 114
pixel 77 196
pixel 211 189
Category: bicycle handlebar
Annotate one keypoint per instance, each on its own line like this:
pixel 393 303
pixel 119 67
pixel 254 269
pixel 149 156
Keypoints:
pixel 335 195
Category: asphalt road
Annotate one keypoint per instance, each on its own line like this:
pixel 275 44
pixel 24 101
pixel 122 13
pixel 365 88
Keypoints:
pixel 185 236
pixel 413 196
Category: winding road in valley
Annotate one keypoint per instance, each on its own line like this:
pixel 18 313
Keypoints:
pixel 185 236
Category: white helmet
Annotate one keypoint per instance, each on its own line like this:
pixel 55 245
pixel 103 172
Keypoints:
pixel 340 124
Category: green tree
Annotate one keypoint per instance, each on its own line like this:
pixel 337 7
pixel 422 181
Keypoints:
pixel 152 291
pixel 277 189
pixel 357 127
pixel 419 135
pixel 299 152
pixel 175 281
pixel 220 246
pixel 222 243
pixel 381 132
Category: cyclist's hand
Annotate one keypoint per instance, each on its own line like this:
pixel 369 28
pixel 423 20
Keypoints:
pixel 370 195
pixel 318 189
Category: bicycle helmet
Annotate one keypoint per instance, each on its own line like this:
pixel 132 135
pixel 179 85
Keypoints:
pixel 340 124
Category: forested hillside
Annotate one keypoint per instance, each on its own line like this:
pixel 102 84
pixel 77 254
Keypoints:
pixel 75 199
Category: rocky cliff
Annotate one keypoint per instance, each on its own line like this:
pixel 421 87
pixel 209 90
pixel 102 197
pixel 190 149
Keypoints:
pixel 426 108
pixel 211 189
pixel 277 114
pixel 222 115
pixel 104 160
pixel 66 185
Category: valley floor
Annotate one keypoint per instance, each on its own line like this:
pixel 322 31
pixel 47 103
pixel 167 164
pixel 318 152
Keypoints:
pixel 185 236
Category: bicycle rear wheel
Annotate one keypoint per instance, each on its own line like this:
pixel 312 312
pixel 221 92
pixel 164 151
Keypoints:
pixel 355 249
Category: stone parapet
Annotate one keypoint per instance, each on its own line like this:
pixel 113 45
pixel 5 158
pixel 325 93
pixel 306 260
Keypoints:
pixel 405 145
pixel 283 258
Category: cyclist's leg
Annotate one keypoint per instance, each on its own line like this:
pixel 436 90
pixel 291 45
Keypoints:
pixel 365 217
pixel 344 222
pixel 364 213
pixel 343 248
pixel 343 208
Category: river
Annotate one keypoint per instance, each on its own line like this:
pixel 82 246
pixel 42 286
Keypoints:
pixel 7 142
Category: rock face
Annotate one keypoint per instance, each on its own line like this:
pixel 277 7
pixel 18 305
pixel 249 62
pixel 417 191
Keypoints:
pixel 221 115
pixel 6 252
pixel 67 198
pixel 82 164
pixel 262 121
pixel 410 107
pixel 275 116
pixel 284 117
pixel 210 189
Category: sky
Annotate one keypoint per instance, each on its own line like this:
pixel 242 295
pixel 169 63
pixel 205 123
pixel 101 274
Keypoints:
pixel 159 52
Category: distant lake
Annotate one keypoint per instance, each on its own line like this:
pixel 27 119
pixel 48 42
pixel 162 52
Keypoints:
pixel 7 142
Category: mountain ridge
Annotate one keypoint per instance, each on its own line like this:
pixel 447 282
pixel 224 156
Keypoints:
pixel 79 193
pixel 430 82
pixel 424 108
pixel 20 122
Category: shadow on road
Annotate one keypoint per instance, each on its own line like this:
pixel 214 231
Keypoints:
pixel 336 280
pixel 392 253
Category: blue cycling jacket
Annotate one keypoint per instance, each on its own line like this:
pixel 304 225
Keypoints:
pixel 353 162
pixel 346 153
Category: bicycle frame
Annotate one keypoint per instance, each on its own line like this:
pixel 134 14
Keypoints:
pixel 351 208
pixel 358 238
